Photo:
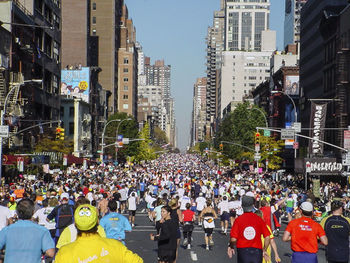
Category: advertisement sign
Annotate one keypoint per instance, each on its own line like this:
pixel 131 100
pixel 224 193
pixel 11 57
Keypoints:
pixel 347 140
pixel 317 123
pixel 76 83
pixel 323 166
pixel 291 85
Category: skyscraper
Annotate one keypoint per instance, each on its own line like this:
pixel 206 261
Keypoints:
pixel 244 23
pixel 292 21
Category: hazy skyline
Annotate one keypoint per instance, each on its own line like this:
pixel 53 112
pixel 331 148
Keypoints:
pixel 175 31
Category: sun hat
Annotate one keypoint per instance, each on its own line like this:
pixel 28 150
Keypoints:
pixel 64 196
pixel 85 217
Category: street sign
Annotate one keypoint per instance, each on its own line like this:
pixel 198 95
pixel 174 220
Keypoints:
pixel 257 147
pixel 295 145
pixel 4 131
pixel 287 134
pixel 346 159
pixel 297 127
pixel 257 156
pixel 125 140
pixel 267 133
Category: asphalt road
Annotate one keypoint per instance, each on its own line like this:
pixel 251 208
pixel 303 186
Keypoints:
pixel 138 241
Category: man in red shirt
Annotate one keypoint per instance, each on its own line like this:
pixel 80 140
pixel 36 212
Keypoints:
pixel 246 235
pixel 304 234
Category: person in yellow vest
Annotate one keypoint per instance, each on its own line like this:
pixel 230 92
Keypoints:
pixel 90 246
pixel 12 205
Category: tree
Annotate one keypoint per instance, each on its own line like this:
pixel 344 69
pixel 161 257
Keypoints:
pixel 270 149
pixel 145 151
pixel 46 144
pixel 160 136
pixel 239 127
pixel 127 128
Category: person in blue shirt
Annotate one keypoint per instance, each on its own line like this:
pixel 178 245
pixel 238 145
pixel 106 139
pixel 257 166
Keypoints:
pixel 115 224
pixel 24 240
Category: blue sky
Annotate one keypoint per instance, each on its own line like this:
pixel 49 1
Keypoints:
pixel 175 30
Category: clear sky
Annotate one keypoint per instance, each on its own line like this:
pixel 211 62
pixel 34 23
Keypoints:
pixel 175 30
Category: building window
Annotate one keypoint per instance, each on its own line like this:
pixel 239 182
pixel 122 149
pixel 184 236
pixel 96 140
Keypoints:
pixel 71 111
pixel 126 79
pixel 93 6
pixel 94 19
pixel 125 97
pixel 125 106
pixel 71 128
pixel 125 70
pixel 126 88
pixel 126 61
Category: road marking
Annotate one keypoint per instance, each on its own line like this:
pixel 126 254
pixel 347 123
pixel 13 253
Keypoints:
pixel 194 256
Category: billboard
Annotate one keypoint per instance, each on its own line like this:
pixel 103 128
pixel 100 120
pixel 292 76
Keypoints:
pixel 291 85
pixel 317 124
pixel 76 83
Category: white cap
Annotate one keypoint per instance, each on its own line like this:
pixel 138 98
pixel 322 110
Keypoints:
pixel 307 207
pixel 250 193
pixel 64 195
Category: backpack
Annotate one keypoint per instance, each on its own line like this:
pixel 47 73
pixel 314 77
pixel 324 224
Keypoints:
pixel 65 216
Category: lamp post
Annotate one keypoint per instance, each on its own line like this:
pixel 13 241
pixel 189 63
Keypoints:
pixel 3 112
pixel 295 114
pixel 116 152
pixel 103 137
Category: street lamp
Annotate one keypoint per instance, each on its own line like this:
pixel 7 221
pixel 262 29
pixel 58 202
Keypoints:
pixel 103 135
pixel 116 152
pixel 3 111
pixel 295 114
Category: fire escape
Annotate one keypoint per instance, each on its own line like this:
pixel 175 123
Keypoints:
pixel 343 62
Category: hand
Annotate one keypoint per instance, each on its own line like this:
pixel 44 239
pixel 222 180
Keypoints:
pixel 230 252
pixel 266 256
pixel 277 259
pixel 151 236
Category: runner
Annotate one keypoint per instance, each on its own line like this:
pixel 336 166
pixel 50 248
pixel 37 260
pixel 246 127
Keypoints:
pixel 188 219
pixel 208 216
pixel 132 208
pixel 224 210
pixel 304 234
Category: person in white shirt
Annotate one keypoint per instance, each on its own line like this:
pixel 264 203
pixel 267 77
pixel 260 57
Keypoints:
pixel 224 210
pixel 132 208
pixel 200 201
pixel 123 197
pixel 5 217
pixel 41 215
pixel 183 201
pixel 235 208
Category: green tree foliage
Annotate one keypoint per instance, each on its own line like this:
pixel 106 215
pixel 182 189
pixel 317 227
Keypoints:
pixel 127 128
pixel 270 149
pixel 239 127
pixel 145 151
pixel 160 136
pixel 47 144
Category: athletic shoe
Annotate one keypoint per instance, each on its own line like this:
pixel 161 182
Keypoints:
pixel 211 242
pixel 133 225
pixel 189 246
pixel 207 248
pixel 185 242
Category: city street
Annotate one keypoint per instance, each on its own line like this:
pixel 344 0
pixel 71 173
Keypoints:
pixel 138 241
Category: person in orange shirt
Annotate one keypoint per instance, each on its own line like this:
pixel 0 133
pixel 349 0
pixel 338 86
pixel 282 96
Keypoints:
pixel 304 234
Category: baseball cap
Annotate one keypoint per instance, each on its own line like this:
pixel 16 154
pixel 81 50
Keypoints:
pixel 306 206
pixel 85 217
pixel 64 196
pixel 247 203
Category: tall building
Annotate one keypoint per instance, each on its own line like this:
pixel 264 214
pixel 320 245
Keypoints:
pixel 215 46
pixel 105 21
pixel 159 75
pixel 292 21
pixel 321 67
pixel 198 111
pixel 127 67
pixel 30 66
pixel 245 20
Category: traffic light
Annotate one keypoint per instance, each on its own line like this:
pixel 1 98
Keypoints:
pixel 257 138
pixel 221 146
pixel 59 133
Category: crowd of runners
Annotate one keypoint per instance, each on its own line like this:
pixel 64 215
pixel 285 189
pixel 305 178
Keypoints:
pixel 82 215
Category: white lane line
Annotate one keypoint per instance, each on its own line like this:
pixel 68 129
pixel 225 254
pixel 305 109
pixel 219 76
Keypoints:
pixel 194 256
